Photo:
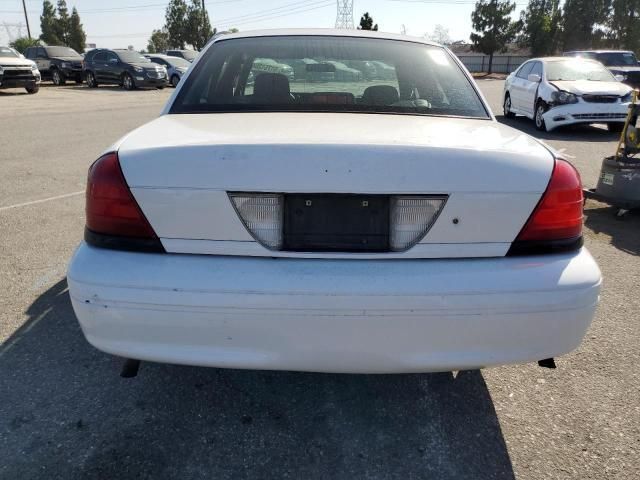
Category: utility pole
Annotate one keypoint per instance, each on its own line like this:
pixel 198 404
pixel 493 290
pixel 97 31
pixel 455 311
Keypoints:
pixel 26 18
pixel 204 21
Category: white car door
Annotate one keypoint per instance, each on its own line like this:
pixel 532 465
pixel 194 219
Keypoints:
pixel 518 86
pixel 529 89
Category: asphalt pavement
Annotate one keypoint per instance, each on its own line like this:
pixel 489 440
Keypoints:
pixel 65 412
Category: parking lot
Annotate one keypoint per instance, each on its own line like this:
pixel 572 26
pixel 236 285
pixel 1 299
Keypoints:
pixel 66 413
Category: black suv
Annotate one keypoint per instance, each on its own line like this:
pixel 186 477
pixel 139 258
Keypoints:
pixel 57 63
pixel 122 67
pixel 622 63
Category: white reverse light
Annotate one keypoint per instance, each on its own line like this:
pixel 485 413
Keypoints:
pixel 262 215
pixel 411 219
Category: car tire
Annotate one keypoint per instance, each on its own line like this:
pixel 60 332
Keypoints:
pixel 506 107
pixel 615 127
pixel 175 80
pixel 127 82
pixel 91 80
pixel 160 88
pixel 79 80
pixel 540 110
pixel 32 90
pixel 57 77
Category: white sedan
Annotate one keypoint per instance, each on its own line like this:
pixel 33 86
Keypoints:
pixel 558 91
pixel 332 226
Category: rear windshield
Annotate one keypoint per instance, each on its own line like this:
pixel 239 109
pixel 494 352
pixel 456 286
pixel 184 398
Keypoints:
pixel 340 74
pixel 577 69
pixel 61 52
pixel 619 59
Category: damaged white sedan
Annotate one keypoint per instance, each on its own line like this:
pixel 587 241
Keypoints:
pixel 558 91
pixel 310 221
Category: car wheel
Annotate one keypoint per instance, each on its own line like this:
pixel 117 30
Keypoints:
pixel 175 80
pixel 506 107
pixel 616 127
pixel 57 77
pixel 32 90
pixel 91 80
pixel 127 82
pixel 160 88
pixel 541 109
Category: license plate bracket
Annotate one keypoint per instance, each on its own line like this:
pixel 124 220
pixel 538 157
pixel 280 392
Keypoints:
pixel 336 223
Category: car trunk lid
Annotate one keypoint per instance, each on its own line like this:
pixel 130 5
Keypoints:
pixel 182 168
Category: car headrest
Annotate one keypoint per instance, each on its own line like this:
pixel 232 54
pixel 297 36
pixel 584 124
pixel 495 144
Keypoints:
pixel 380 95
pixel 272 87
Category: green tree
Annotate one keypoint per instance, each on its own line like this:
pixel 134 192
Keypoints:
pixel 493 27
pixel 48 27
pixel 22 43
pixel 366 23
pixel 62 25
pixel 158 42
pixel 77 36
pixel 541 27
pixel 176 23
pixel 198 30
pixel 582 22
pixel 624 24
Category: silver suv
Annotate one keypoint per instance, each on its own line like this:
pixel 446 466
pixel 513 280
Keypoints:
pixel 18 72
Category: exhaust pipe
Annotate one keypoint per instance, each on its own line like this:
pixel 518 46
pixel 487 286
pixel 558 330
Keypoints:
pixel 130 368
pixel 547 363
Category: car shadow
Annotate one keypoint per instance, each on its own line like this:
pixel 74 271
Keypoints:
pixel 623 231
pixel 67 412
pixel 575 133
pixel 13 92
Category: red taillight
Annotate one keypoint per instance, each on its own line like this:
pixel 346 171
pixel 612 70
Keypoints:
pixel 111 210
pixel 557 219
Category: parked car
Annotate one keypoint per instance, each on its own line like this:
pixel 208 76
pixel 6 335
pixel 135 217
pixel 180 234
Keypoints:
pixel 296 226
pixel 18 72
pixel 558 91
pixel 342 73
pixel 622 63
pixel 122 67
pixel 268 65
pixel 384 71
pixel 176 67
pixel 188 55
pixel 58 64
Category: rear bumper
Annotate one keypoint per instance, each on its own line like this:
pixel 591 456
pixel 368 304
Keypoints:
pixel 356 316
pixel 585 112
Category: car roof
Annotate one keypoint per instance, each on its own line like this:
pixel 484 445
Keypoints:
pixel 322 32
pixel 564 59
pixel 599 51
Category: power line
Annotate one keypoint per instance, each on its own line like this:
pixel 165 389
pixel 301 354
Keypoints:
pixel 306 6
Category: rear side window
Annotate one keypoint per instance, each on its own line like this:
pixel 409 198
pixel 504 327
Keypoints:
pixel 316 73
pixel 100 57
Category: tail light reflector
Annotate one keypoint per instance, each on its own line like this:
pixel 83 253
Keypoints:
pixel 411 219
pixel 262 215
pixel 113 217
pixel 556 222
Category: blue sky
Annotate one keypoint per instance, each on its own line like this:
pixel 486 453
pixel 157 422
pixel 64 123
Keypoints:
pixel 119 23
